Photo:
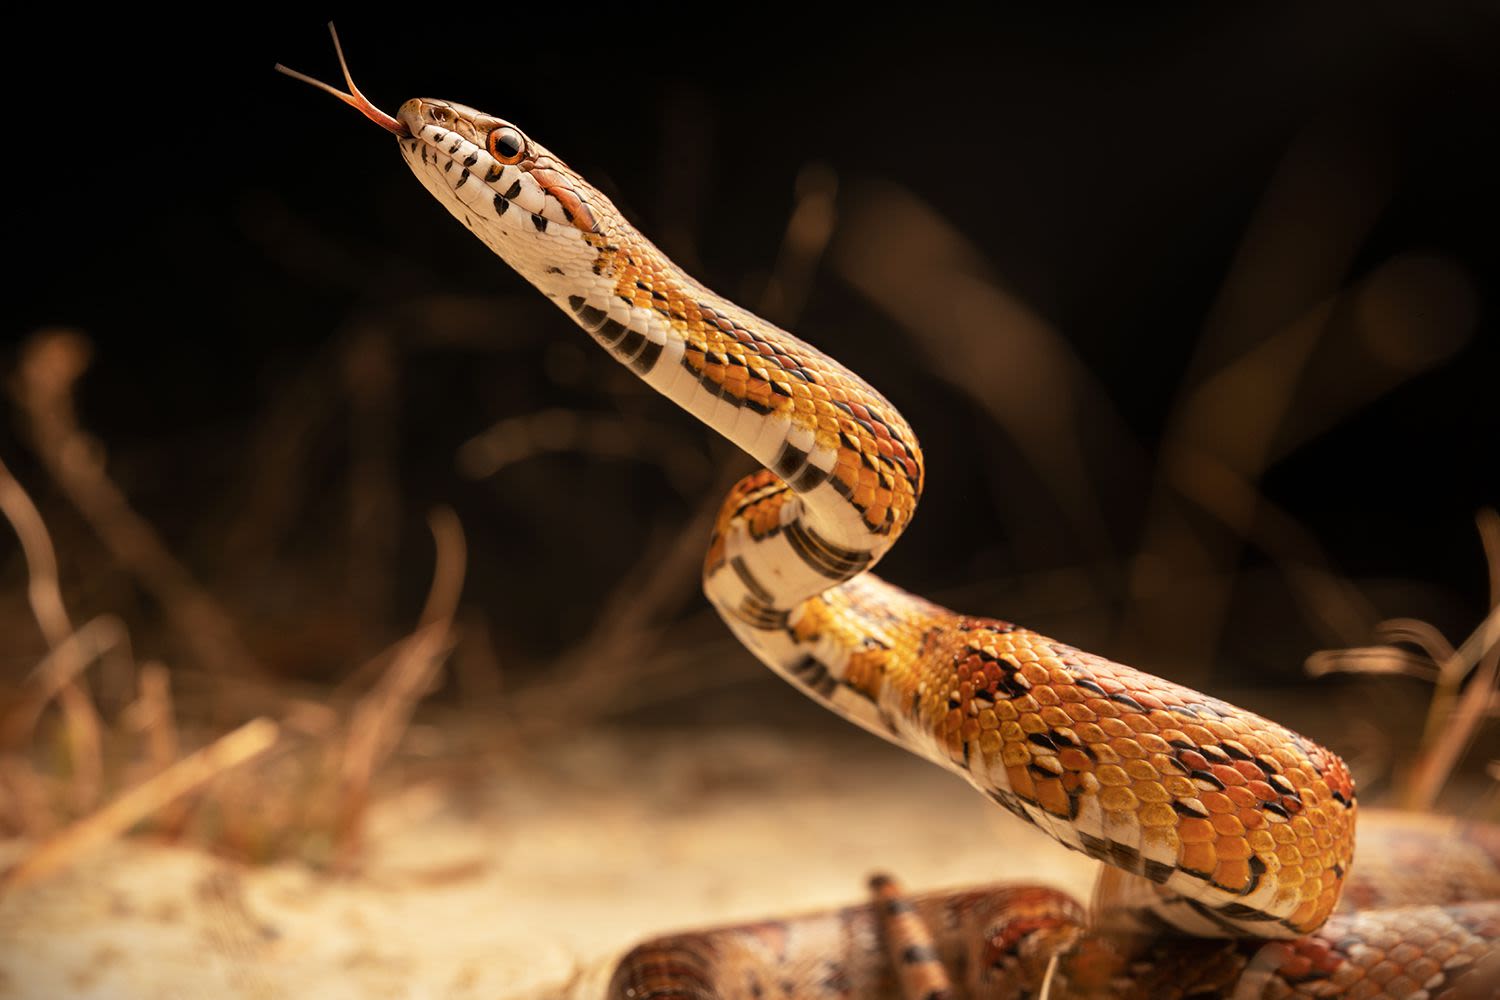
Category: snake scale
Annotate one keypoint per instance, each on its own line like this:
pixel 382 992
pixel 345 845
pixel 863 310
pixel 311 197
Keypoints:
pixel 1231 838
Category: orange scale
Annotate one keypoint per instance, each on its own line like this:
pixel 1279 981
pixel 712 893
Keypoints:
pixel 1232 847
pixel 1140 723
pixel 1196 831
pixel 1247 770
pixel 1227 825
pixel 1152 743
pixel 1221 729
pixel 1233 875
pixel 1179 787
pixel 1227 774
pixel 1051 796
pixel 1074 760
pixel 1090 732
pixel 1261 791
pixel 1216 802
pixel 1198 735
pixel 1193 760
pixel 1242 797
pixel 1197 858
pixel 1079 712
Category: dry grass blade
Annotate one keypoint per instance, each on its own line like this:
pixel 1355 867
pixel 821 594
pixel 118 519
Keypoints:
pixel 45 595
pixel 809 227
pixel 380 717
pixel 899 253
pixel 1371 660
pixel 1453 720
pixel 55 675
pixel 550 431
pixel 51 364
pixel 144 800
pixel 1417 633
pixel 1332 603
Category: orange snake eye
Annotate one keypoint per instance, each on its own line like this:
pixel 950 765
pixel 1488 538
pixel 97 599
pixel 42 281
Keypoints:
pixel 506 144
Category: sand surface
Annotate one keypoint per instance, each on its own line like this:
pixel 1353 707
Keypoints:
pixel 558 860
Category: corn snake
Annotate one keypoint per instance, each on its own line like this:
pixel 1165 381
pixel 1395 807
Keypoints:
pixel 1231 838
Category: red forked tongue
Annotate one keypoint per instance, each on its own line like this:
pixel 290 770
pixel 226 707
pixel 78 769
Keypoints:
pixel 354 98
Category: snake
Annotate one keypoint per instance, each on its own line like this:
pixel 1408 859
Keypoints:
pixel 1229 838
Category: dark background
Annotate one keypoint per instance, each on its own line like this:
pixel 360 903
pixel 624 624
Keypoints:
pixel 291 341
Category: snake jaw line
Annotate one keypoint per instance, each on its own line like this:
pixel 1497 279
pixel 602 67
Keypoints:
pixel 354 98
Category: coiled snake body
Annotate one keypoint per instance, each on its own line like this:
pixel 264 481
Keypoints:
pixel 1221 824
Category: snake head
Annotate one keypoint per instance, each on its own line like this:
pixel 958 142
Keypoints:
pixel 488 167
pixel 524 202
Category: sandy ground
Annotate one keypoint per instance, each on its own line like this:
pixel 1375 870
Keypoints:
pixel 555 865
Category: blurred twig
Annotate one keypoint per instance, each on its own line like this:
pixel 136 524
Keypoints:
pixel 1453 719
pixel 809 227
pixel 65 662
pixel 143 800
pixel 979 336
pixel 378 719
pixel 51 364
pixel 517 439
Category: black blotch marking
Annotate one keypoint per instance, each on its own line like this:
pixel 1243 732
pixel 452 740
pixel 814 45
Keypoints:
pixel 812 476
pixel 628 347
pixel 501 205
pixel 748 579
pixel 648 358
pixel 916 954
pixel 540 223
pixel 789 460
pixel 610 331
pixel 514 192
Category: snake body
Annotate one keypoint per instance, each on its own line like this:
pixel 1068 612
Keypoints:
pixel 1224 824
pixel 1245 826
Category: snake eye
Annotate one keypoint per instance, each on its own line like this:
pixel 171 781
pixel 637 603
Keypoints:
pixel 506 144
